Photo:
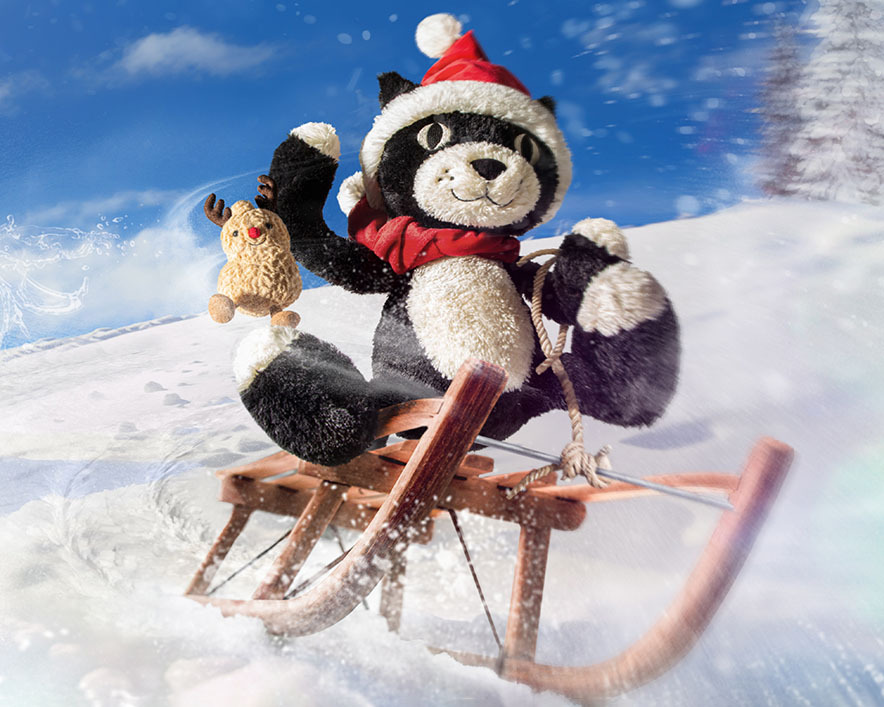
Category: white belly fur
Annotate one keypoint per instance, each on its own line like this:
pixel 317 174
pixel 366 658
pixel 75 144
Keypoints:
pixel 468 307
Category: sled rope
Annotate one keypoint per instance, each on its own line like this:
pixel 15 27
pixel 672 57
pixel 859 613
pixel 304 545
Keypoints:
pixel 316 576
pixel 466 553
pixel 574 460
pixel 250 562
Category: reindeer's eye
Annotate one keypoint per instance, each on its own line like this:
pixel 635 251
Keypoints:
pixel 526 147
pixel 434 136
pixel 235 234
pixel 268 225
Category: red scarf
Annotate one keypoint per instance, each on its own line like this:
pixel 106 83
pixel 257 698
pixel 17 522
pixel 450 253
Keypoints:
pixel 405 245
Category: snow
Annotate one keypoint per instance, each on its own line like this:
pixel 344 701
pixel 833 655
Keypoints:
pixel 110 441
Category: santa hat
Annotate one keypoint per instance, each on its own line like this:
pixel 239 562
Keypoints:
pixel 462 80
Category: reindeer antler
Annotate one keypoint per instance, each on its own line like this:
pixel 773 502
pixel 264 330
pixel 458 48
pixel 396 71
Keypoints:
pixel 216 213
pixel 266 198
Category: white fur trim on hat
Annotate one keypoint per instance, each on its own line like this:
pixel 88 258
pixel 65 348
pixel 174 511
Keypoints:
pixel 351 191
pixel 435 34
pixel 480 97
pixel 322 136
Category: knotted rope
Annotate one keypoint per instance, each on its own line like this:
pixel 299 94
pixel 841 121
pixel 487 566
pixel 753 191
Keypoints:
pixel 574 460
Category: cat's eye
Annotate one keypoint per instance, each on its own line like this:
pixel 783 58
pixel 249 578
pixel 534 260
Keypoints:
pixel 526 147
pixel 434 136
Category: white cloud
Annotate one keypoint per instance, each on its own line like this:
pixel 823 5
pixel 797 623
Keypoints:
pixel 59 280
pixel 187 50
pixel 18 84
pixel 687 205
pixel 88 212
pixel 633 78
pixel 573 119
pixel 744 61
pixel 629 53
pixel 162 270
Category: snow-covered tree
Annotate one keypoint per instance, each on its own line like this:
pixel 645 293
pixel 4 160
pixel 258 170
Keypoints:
pixel 778 167
pixel 839 150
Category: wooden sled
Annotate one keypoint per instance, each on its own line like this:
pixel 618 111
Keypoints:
pixel 394 494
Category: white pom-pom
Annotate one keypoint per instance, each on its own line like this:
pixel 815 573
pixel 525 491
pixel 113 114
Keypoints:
pixel 435 34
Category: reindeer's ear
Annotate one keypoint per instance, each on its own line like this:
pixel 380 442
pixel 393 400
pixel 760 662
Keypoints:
pixel 548 103
pixel 392 85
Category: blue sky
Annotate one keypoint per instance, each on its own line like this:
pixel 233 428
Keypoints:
pixel 116 118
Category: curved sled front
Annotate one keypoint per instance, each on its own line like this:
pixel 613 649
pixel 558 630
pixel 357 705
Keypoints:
pixel 449 436
pixel 688 616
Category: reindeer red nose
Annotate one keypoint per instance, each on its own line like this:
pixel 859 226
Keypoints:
pixel 254 232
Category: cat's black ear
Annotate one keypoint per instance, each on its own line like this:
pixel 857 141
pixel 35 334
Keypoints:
pixel 548 103
pixel 392 85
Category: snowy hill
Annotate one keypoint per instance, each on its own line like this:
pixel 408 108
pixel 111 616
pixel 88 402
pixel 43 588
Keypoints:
pixel 109 443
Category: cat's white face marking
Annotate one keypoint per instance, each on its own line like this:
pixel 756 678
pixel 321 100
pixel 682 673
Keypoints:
pixel 477 184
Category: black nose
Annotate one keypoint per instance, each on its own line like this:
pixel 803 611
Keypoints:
pixel 488 169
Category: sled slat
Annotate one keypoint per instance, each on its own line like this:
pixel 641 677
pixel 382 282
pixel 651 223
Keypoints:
pixel 472 465
pixel 286 502
pixel 702 481
pixel 524 617
pixel 367 471
pixel 204 575
pixel 407 416
pixel 485 497
pixel 311 524
pixel 366 497
pixel 296 482
pixel 475 464
pixel 477 495
pixel 268 466
pixel 393 592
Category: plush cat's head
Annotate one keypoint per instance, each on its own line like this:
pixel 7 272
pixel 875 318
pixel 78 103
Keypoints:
pixel 467 147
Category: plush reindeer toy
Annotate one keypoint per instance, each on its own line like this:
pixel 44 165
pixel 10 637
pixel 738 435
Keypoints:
pixel 261 277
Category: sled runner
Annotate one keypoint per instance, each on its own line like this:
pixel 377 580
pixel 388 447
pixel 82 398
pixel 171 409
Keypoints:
pixel 396 493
